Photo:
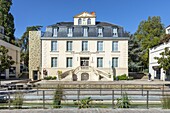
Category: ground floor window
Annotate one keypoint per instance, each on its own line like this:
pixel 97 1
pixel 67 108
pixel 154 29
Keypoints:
pixel 114 62
pixel 54 62
pixel 100 62
pixel 69 62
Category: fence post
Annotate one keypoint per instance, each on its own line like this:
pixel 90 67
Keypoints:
pixel 121 89
pixel 78 94
pixel 9 101
pixel 37 90
pixel 142 89
pixel 100 90
pixel 43 99
pixel 112 99
pixel 147 102
pixel 163 90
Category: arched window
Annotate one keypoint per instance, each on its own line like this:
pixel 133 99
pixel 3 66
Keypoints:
pixel 79 21
pixel 88 21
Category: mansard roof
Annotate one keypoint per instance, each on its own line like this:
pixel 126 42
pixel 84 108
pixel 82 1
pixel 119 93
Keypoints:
pixel 68 24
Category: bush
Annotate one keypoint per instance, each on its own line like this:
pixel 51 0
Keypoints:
pixel 57 98
pixel 123 77
pixel 50 78
pixel 123 102
pixel 18 100
pixel 166 102
pixel 85 103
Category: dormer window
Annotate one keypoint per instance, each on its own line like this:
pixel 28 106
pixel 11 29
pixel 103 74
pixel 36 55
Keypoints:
pixel 85 32
pixel 79 21
pixel 88 21
pixel 100 32
pixel 70 32
pixel 55 31
pixel 115 32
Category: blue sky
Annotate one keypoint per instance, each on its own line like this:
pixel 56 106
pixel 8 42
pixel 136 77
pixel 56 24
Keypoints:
pixel 126 13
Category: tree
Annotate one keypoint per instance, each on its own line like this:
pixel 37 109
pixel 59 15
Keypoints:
pixel 25 45
pixel 7 19
pixel 149 34
pixel 5 60
pixel 164 60
pixel 134 53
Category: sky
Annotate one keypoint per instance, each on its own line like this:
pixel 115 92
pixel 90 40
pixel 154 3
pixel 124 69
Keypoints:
pixel 126 13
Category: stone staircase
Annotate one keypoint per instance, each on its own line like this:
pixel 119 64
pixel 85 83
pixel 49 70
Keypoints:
pixel 93 74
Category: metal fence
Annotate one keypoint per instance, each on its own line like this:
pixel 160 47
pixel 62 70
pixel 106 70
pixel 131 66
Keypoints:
pixel 71 95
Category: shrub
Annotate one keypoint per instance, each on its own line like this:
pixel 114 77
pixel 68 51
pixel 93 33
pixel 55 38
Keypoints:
pixel 123 102
pixel 166 102
pixel 57 98
pixel 85 103
pixel 54 78
pixel 18 100
pixel 50 78
pixel 122 77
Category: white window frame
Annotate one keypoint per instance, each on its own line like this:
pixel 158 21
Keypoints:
pixel 99 45
pixel 69 45
pixel 54 45
pixel 115 45
pixel 99 64
pixel 84 45
pixel 100 32
pixel 114 62
pixel 70 32
pixel 85 32
pixel 54 64
pixel 55 31
pixel 69 62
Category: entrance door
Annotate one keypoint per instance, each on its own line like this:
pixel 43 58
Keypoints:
pixel 84 61
pixel 158 73
pixel 35 75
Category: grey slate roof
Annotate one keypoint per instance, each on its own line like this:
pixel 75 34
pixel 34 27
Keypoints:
pixel 78 29
pixel 72 24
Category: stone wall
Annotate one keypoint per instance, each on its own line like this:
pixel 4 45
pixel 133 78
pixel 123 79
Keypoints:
pixel 34 53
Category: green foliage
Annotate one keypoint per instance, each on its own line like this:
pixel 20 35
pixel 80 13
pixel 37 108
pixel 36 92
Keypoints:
pixel 18 100
pixel 57 97
pixel 85 103
pixel 7 19
pixel 5 60
pixel 25 45
pixel 50 78
pixel 123 102
pixel 59 74
pixel 122 77
pixel 149 34
pixel 134 60
pixel 164 60
pixel 166 102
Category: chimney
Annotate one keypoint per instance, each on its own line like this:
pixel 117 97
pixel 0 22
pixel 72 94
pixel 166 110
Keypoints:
pixel 93 13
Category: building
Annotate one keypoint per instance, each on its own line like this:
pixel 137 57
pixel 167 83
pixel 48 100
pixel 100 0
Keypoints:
pixel 14 52
pixel 154 70
pixel 83 50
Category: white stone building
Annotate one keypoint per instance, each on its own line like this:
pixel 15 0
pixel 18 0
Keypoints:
pixel 83 50
pixel 14 52
pixel 154 70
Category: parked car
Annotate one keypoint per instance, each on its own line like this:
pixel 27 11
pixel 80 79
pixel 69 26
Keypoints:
pixel 3 98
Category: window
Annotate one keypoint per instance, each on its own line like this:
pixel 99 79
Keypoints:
pixel 12 70
pixel 115 32
pixel 115 46
pixel 69 62
pixel 88 21
pixel 99 45
pixel 100 62
pixel 100 32
pixel 69 45
pixel 168 31
pixel 54 62
pixel 114 62
pixel 54 46
pixel 85 32
pixel 55 30
pixel 84 45
pixel 70 32
pixel 79 21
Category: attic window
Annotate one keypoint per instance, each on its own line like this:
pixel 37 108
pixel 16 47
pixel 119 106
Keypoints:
pixel 100 32
pixel 89 21
pixel 79 21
